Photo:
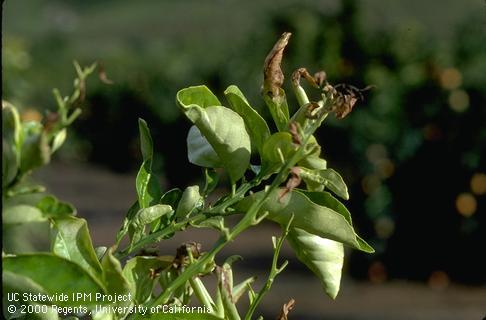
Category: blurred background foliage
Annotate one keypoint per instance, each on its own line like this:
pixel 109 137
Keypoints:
pixel 412 152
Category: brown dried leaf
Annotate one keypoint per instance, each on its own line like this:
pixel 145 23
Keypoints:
pixel 272 73
pixel 295 133
pixel 182 253
pixel 292 183
pixel 286 308
pixel 102 74
pixel 345 105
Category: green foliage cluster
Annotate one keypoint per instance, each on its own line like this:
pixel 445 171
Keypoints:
pixel 223 135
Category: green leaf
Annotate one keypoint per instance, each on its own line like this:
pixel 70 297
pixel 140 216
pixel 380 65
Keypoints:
pixel 278 109
pixel 313 162
pixel 132 211
pixel 225 288
pixel 21 213
pixel 11 143
pixel 9 163
pixel 47 207
pixel 141 274
pixel 58 140
pixel 171 197
pixel 113 278
pixel 211 181
pixel 335 183
pixel 316 180
pixel 223 128
pixel 145 216
pixel 240 288
pixel 196 95
pixel 326 199
pixel 116 284
pixel 322 256
pixel 257 126
pixel 150 214
pixel 35 151
pixel 276 150
pixel 309 216
pixel 46 273
pixel 189 201
pixel 73 242
pixel 51 207
pixel 148 188
pixel 146 144
pixel 11 127
pixel 25 188
pixel 200 152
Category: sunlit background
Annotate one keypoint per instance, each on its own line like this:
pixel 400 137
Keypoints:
pixel 413 153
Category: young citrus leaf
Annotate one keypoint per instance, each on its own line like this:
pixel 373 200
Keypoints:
pixel 225 288
pixel 47 207
pixel 278 109
pixel 100 252
pixel 211 181
pixel 275 150
pixel 132 211
pixel 326 199
pixel 313 162
pixel 335 183
pixel 240 288
pixel 197 95
pixel 51 207
pixel 11 143
pixel 116 284
pixel 223 128
pixel 141 274
pixel 145 216
pixel 25 188
pixel 9 163
pixel 22 213
pixel 148 189
pixel 11 127
pixel 322 256
pixel 113 278
pixel 35 151
pixel 309 216
pixel 46 273
pixel 171 197
pixel 202 294
pixel 58 140
pixel 200 152
pixel 190 199
pixel 146 144
pixel 71 240
pixel 257 126
pixel 316 180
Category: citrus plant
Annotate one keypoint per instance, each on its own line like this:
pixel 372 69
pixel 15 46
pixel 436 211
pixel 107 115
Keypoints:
pixel 287 181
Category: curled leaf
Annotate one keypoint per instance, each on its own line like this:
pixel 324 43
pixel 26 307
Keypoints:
pixel 323 218
pixel 322 256
pixel 273 75
pixel 286 308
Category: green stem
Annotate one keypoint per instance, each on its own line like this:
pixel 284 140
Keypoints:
pixel 217 210
pixel 247 221
pixel 273 273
